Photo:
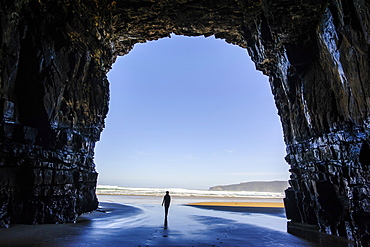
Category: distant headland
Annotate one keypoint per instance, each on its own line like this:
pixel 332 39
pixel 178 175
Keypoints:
pixel 259 186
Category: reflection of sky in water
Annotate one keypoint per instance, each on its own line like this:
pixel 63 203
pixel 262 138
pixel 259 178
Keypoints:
pixel 142 224
pixel 179 214
pixel 200 227
pixel 177 200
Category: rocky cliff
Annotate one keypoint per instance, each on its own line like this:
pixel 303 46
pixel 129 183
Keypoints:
pixel 54 95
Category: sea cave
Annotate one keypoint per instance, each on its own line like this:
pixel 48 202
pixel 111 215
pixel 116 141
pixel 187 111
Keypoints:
pixel 54 97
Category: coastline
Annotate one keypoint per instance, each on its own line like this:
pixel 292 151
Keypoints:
pixel 129 198
pixel 120 190
pixel 192 196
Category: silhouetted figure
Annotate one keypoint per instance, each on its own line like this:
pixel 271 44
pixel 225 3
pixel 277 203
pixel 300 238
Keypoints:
pixel 166 202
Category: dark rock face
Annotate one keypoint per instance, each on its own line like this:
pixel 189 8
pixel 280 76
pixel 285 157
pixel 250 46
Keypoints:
pixel 54 96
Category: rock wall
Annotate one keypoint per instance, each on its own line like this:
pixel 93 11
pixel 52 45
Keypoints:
pixel 53 100
pixel 54 96
pixel 321 87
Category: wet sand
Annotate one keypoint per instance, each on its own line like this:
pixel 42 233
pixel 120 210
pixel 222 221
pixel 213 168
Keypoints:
pixel 270 208
pixel 240 204
pixel 141 223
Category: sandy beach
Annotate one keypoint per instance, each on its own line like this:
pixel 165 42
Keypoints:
pixel 139 221
pixel 240 204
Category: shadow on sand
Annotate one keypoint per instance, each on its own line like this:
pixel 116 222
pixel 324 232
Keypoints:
pixel 280 212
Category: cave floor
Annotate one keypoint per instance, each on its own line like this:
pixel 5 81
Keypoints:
pixel 116 224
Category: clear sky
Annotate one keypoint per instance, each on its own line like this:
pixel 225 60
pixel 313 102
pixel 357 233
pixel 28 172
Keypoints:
pixel 189 112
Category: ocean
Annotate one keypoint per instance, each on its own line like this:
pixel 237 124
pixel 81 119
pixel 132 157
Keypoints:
pixel 180 192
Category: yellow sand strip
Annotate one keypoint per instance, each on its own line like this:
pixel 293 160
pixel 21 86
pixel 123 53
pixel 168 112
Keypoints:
pixel 240 204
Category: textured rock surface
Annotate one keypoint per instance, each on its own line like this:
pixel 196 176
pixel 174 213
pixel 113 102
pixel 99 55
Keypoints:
pixel 54 97
pixel 54 94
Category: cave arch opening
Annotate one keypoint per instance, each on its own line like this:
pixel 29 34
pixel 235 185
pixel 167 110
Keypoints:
pixel 189 112
pixel 72 45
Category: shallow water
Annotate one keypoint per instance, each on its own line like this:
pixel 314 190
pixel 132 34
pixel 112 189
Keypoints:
pixel 140 222
pixel 179 200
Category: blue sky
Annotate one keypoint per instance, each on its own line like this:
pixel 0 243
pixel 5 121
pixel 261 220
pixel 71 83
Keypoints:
pixel 189 112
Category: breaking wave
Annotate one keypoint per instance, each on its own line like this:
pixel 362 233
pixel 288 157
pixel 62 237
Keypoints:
pixel 118 190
